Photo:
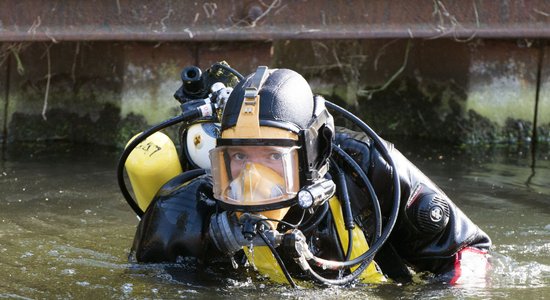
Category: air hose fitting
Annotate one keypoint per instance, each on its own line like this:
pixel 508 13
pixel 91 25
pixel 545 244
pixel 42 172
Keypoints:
pixel 230 233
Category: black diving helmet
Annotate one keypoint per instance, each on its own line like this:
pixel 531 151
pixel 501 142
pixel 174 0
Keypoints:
pixel 275 140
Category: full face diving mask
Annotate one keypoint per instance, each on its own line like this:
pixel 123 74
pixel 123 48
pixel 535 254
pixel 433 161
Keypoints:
pixel 255 178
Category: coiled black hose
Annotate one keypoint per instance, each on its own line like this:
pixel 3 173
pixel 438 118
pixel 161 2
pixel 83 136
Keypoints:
pixel 379 144
pixel 366 257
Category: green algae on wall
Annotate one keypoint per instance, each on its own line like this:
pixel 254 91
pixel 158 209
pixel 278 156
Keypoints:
pixel 148 91
pixel 411 109
pixel 499 91
pixel 100 93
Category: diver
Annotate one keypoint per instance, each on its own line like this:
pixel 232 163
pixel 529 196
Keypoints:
pixel 296 197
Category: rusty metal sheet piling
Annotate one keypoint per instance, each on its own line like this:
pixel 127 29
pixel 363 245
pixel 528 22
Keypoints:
pixel 135 20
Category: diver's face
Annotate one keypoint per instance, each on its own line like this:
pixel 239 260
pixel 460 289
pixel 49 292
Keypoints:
pixel 267 156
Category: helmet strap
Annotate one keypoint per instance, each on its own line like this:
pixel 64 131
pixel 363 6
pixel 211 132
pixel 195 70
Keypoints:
pixel 248 123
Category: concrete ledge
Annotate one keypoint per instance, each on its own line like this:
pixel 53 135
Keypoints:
pixel 134 20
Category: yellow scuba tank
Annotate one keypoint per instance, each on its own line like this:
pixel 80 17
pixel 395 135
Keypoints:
pixel 150 165
pixel 360 244
pixel 265 263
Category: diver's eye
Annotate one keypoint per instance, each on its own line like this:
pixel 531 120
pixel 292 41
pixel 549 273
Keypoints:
pixel 239 156
pixel 275 156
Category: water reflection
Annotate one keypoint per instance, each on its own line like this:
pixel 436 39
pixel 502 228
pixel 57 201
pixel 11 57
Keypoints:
pixel 65 230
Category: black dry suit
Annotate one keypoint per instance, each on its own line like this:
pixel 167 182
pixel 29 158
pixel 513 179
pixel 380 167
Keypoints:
pixel 429 235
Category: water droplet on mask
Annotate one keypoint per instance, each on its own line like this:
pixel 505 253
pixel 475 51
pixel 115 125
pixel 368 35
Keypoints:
pixel 234 263
pixel 251 256
pixel 340 273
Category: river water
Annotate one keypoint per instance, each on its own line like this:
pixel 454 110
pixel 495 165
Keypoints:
pixel 65 230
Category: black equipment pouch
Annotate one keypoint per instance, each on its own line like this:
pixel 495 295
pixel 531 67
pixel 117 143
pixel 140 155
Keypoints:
pixel 176 223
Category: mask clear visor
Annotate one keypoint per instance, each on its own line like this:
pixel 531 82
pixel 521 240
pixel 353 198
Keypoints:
pixel 254 175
